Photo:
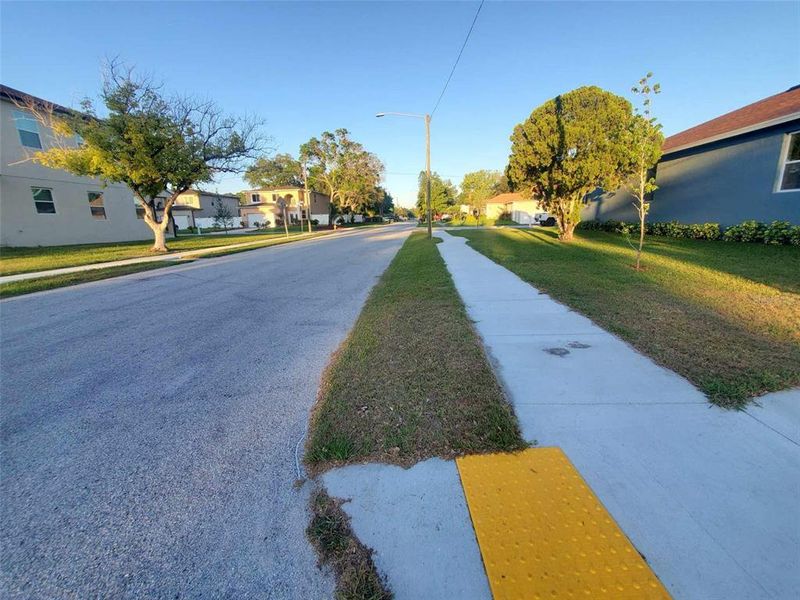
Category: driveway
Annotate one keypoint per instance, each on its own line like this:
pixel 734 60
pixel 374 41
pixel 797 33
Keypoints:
pixel 149 423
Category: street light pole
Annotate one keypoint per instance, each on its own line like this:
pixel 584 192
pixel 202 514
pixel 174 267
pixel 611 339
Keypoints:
pixel 427 119
pixel 428 172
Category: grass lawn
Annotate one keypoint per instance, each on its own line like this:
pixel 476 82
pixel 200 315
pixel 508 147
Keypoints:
pixel 412 380
pixel 26 260
pixel 724 315
pixel 28 286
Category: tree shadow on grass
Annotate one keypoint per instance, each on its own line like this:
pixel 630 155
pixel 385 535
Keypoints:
pixel 729 360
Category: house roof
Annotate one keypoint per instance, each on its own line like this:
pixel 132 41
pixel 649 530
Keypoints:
pixel 18 97
pixel 205 193
pixel 776 109
pixel 506 198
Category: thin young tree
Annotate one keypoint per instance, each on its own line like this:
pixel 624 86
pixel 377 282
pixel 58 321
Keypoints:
pixel 646 142
pixel 223 215
pixel 153 143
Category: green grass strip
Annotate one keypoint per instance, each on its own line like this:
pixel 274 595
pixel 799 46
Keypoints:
pixel 28 286
pixel 412 380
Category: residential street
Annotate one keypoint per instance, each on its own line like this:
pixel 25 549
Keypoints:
pixel 150 423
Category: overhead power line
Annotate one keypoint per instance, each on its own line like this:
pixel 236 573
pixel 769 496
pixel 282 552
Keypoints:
pixel 460 52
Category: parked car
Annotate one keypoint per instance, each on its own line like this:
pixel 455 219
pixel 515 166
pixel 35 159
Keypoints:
pixel 544 219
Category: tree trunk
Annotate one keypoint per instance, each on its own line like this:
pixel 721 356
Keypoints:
pixel 158 228
pixel 566 232
pixel 642 215
pixel 641 241
pixel 160 238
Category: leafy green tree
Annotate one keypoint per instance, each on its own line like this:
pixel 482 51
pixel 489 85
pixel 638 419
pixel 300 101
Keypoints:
pixel 282 170
pixel 645 145
pixel 150 142
pixel 381 202
pixel 443 195
pixel 571 146
pixel 478 186
pixel 342 168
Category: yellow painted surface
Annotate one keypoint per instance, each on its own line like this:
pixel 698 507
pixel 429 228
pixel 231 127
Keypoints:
pixel 544 534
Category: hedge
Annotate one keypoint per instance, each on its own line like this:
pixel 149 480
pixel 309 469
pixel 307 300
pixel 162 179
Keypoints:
pixel 776 233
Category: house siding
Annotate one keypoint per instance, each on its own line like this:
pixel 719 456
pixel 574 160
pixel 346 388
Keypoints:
pixel 72 223
pixel 724 182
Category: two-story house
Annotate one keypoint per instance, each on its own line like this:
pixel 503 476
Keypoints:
pixel 198 208
pixel 264 206
pixel 40 206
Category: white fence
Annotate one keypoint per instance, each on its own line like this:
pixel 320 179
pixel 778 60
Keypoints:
pixel 208 222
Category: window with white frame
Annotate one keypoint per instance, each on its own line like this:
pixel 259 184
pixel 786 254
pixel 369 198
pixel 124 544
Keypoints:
pixel 255 198
pixel 43 201
pixel 28 129
pixel 97 206
pixel 790 164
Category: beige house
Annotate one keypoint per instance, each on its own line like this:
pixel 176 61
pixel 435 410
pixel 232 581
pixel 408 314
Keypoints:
pixel 196 208
pixel 263 206
pixel 48 207
pixel 521 210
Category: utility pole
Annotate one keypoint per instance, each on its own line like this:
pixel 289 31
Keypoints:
pixel 428 172
pixel 308 196
pixel 427 119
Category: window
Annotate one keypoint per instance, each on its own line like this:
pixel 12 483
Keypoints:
pixel 43 201
pixel 96 205
pixel 790 164
pixel 254 198
pixel 28 130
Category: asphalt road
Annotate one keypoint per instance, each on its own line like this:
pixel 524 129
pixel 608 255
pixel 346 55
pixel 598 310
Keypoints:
pixel 149 423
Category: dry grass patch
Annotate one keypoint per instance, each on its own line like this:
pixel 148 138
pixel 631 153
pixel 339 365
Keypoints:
pixel 724 315
pixel 337 547
pixel 412 380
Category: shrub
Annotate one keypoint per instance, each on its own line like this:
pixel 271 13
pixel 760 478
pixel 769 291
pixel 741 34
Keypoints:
pixel 315 222
pixel 794 236
pixel 778 233
pixel 749 231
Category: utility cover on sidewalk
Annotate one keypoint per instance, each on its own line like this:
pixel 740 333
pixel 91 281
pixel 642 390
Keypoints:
pixel 544 534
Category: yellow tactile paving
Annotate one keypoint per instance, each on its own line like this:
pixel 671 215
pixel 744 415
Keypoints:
pixel 544 534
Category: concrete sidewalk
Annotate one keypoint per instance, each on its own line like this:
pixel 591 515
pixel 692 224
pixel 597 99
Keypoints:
pixel 709 496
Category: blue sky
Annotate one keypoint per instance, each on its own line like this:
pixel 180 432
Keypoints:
pixel 307 67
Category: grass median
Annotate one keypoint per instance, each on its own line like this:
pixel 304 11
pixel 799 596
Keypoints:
pixel 724 315
pixel 31 259
pixel 40 284
pixel 412 380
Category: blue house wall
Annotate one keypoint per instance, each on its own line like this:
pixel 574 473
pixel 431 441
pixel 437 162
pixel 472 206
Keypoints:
pixel 725 182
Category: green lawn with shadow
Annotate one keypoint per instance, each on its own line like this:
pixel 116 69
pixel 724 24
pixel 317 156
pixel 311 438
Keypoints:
pixel 724 315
